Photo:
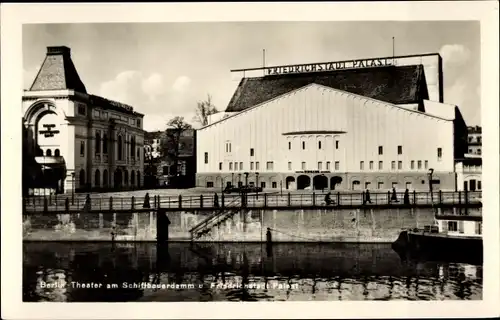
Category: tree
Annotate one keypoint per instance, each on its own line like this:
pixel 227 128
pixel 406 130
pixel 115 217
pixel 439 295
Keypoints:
pixel 172 145
pixel 203 110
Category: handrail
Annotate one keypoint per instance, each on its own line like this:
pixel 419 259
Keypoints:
pixel 214 215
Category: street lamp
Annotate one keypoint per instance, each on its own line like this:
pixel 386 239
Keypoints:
pixel 246 178
pixel 239 179
pixel 257 182
pixel 73 188
pixel 232 179
pixel 431 171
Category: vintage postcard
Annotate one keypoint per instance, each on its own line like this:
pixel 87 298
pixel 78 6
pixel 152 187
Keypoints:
pixel 307 161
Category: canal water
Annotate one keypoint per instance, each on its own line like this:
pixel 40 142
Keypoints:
pixel 103 272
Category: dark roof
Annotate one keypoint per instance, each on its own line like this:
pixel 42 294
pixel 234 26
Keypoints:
pixel 397 85
pixel 58 72
pixel 112 105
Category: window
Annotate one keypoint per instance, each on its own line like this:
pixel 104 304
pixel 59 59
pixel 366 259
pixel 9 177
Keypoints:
pixel 470 150
pixel 97 143
pixel 269 165
pixel 257 165
pixel 367 185
pixel 419 164
pixel 220 165
pixel 426 164
pixel 274 185
pixel 82 148
pixel 303 166
pixel 236 166
pixel 337 165
pixel 289 165
pixel 362 165
pixel 400 149
pixel 478 182
pixel 412 164
pixel 57 153
pixel 139 125
pixel 380 185
pixel 81 109
pixel 478 151
pixel 395 185
pixel 251 152
pixel 120 148
pixel 400 165
pixel 393 165
pixel 263 184
pixel 251 165
pixel 230 166
pixel 478 139
pixel 132 147
pixel 440 153
pixel 303 145
pixel 319 144
pixel 470 139
pixel 289 146
pixel 320 166
pixel 381 165
pixel 210 184
pixel 138 154
pixel 380 150
pixel 328 165
pixel 206 157
pixel 452 226
pixel 48 153
pixel 479 227
pixel 241 165
pixel 336 144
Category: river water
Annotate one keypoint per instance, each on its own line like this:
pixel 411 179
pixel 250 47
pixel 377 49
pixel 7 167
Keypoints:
pixel 103 272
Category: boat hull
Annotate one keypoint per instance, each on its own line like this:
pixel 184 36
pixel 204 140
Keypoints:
pixel 439 247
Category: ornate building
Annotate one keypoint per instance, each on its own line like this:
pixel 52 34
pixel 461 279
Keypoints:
pixel 81 141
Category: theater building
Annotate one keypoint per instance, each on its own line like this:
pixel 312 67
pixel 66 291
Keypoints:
pixel 375 123
pixel 82 142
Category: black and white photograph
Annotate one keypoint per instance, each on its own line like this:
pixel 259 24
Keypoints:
pixel 252 161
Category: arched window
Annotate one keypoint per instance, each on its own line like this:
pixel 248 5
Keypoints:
pixel 105 178
pixel 57 153
pixel 125 180
pixel 132 147
pixel 138 179
pixel 138 154
pixel 105 144
pixel 132 178
pixel 120 148
pixel 97 178
pixel 82 178
pixel 97 143
pixel 48 153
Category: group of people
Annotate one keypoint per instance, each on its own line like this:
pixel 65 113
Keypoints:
pixel 367 198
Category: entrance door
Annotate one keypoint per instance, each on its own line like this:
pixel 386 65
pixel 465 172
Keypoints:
pixel 472 185
pixel 466 186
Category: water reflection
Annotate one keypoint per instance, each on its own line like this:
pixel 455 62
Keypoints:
pixel 238 272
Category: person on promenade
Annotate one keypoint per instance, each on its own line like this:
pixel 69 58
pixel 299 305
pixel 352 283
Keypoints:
pixel 394 197
pixel 87 206
pixel 367 197
pixel 406 198
pixel 216 200
pixel 328 199
pixel 146 204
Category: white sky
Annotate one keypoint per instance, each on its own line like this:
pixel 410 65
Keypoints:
pixel 163 69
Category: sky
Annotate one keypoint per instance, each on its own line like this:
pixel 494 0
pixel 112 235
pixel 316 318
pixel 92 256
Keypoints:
pixel 164 69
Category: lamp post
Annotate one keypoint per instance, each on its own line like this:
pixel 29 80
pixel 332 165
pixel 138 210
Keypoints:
pixel 431 171
pixel 257 182
pixel 232 179
pixel 72 188
pixel 246 178
pixel 239 179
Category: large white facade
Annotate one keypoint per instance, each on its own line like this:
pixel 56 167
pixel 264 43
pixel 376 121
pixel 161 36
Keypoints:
pixel 320 130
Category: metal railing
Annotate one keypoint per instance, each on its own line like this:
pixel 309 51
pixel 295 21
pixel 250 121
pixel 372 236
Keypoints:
pixel 60 203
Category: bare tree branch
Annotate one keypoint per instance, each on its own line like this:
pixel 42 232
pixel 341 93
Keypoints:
pixel 203 110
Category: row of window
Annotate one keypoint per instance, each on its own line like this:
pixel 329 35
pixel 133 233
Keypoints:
pixel 120 178
pixel 48 153
pixel 458 226
pixel 82 110
pixel 380 149
pixel 105 147
pixel 393 165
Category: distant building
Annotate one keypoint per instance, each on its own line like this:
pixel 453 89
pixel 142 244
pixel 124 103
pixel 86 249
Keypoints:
pixel 474 140
pixel 152 144
pixel 81 141
pixel 469 173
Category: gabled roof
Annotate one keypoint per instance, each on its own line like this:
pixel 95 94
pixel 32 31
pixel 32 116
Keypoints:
pixel 396 85
pixel 58 72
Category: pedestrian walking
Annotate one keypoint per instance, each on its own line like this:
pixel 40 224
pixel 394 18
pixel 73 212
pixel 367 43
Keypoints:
pixel 146 204
pixel 367 196
pixel 216 200
pixel 328 199
pixel 394 197
pixel 406 197
pixel 88 205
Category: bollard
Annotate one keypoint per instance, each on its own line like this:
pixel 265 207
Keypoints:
pixel 338 198
pixel 132 205
pixel 222 200
pixel 459 197
pixel 155 203
pixel 66 205
pixel 265 200
pixel 45 205
pixel 159 202
pixel 314 199
pixel 201 201
pixel 289 200
pixel 180 201
pixel 414 197
pixel 50 198
pixel 388 197
pixel 110 203
pixel 440 197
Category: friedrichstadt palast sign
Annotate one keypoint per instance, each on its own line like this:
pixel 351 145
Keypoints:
pixel 330 66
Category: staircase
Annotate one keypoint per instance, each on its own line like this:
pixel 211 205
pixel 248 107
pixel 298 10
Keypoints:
pixel 215 219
